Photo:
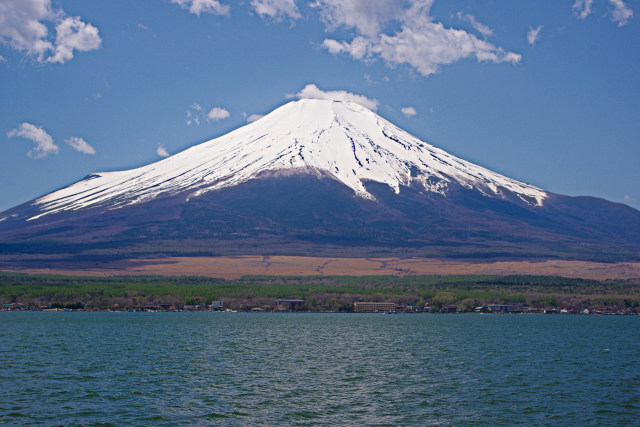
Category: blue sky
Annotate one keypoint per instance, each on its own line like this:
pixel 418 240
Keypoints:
pixel 547 92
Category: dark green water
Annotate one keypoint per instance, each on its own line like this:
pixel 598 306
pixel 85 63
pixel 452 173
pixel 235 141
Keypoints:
pixel 280 369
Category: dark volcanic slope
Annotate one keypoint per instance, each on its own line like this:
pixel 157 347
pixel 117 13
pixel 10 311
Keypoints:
pixel 308 215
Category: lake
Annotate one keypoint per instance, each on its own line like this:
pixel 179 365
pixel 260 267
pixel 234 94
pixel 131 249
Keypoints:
pixel 283 369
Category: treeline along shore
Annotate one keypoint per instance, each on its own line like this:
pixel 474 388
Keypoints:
pixel 317 293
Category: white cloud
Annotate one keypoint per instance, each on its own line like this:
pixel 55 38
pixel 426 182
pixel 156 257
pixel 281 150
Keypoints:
pixel 358 48
pixel 195 115
pixel 44 144
pixel 582 8
pixel 80 145
pixel 367 17
pixel 217 113
pixel 160 151
pixel 2 59
pixel 276 9
pixel 421 42
pixel 533 35
pixel 334 47
pixel 23 28
pixel 628 198
pixel 252 118
pixel 408 111
pixel 203 6
pixel 621 12
pixel 312 91
pixel 73 34
pixel 479 27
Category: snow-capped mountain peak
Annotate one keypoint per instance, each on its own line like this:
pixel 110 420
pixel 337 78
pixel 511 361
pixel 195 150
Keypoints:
pixel 342 140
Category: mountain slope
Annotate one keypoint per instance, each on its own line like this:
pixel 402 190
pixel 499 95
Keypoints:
pixel 340 139
pixel 315 178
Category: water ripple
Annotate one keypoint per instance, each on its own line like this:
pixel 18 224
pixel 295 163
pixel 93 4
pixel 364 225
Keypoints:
pixel 298 369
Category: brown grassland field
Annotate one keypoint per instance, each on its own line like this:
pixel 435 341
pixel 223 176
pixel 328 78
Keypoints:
pixel 235 267
pixel 325 284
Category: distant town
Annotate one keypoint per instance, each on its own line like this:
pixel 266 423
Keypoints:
pixel 321 294
pixel 296 305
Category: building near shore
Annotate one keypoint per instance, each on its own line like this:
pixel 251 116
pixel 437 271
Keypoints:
pixel 283 305
pixel 501 308
pixel 373 307
pixel 216 306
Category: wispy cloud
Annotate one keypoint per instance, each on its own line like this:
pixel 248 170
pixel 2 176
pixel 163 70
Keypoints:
pixel 479 27
pixel 408 111
pixel 193 114
pixel 160 151
pixel 276 9
pixel 369 80
pixel 80 145
pixel 252 118
pixel 218 113
pixel 621 13
pixel 23 27
pixel 582 8
pixel 312 91
pixel 533 35
pixel 203 6
pixel 43 142
pixel 421 42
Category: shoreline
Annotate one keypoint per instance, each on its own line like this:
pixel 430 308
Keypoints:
pixel 541 312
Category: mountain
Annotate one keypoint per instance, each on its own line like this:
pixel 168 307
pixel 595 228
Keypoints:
pixel 317 177
pixel 340 140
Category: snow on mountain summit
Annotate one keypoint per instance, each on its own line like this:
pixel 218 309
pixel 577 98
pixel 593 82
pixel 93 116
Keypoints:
pixel 339 139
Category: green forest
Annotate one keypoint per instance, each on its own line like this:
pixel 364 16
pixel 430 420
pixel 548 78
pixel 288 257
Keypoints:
pixel 320 293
